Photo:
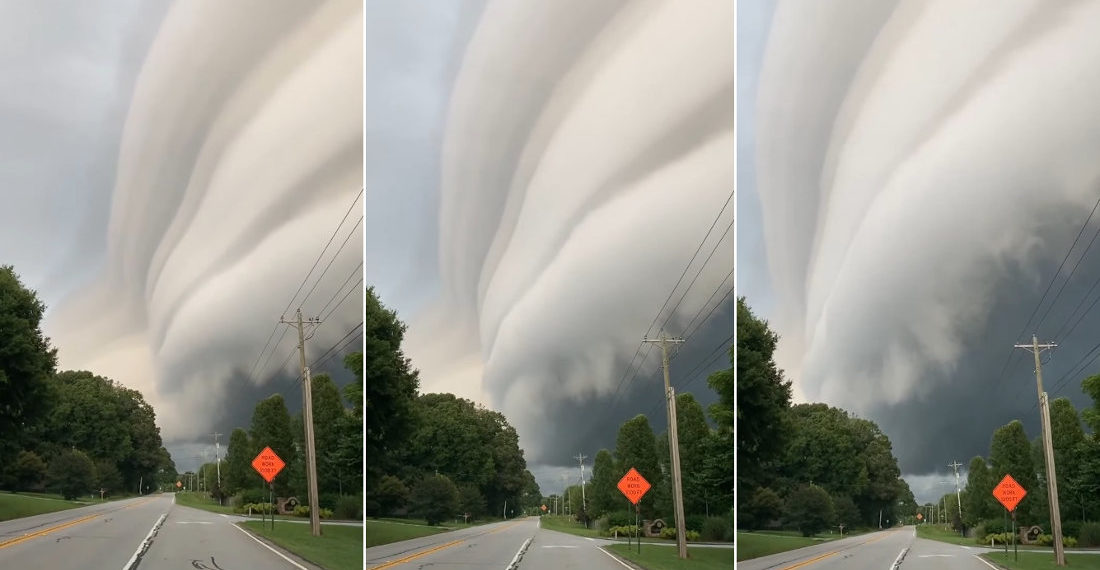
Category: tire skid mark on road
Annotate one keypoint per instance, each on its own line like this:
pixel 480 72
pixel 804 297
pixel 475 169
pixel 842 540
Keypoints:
pixel 390 563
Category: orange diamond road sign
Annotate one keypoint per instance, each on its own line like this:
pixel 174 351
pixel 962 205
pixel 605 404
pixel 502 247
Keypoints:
pixel 544 508
pixel 178 484
pixel 1009 492
pixel 633 485
pixel 267 464
pixel 920 516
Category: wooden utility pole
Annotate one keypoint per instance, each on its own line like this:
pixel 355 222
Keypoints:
pixel 673 445
pixel 307 419
pixel 1048 449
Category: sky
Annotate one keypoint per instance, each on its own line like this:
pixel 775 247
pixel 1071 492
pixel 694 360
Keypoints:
pixel 915 184
pixel 170 171
pixel 539 177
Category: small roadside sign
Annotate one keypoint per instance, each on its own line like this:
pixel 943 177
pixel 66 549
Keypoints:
pixel 920 516
pixel 1009 492
pixel 633 485
pixel 178 484
pixel 544 508
pixel 267 464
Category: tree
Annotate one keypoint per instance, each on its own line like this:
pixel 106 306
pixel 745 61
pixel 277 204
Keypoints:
pixel 30 471
pixel 435 498
pixel 328 418
pixel 26 362
pixel 979 504
pixel 847 513
pixel 810 510
pixel 238 474
pixel 636 447
pixel 762 507
pixel 71 473
pixel 1010 454
pixel 1067 436
pixel 271 428
pixel 108 478
pixel 471 501
pixel 1091 416
pixel 531 497
pixel 390 387
pixel 603 494
pixel 693 432
pixel 392 494
pixel 353 392
pixel 763 397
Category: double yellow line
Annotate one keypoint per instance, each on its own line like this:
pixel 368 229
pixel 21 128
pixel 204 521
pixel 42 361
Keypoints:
pixel 74 522
pixel 831 553
pixel 438 548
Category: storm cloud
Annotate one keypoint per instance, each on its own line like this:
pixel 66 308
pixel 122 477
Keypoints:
pixel 922 170
pixel 584 150
pixel 227 162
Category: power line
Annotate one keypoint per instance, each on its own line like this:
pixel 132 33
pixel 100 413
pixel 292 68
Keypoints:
pixel 354 329
pixel 707 318
pixel 353 273
pixel 1046 291
pixel 345 298
pixel 697 274
pixel 334 256
pixel 706 304
pixel 1068 278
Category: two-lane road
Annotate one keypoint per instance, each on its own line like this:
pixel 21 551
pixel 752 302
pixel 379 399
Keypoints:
pixel 111 535
pixel 876 551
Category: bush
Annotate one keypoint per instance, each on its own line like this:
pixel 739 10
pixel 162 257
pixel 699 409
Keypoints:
pixel 624 530
pixel 255 508
pixel 810 510
pixel 435 498
pixel 693 522
pixel 303 511
pixel 762 507
pixel 1071 528
pixel 994 526
pixel 1045 540
pixel 1069 541
pixel 715 529
pixel 620 518
pixel 71 473
pixel 602 524
pixel 1089 535
pixel 348 508
pixel 253 496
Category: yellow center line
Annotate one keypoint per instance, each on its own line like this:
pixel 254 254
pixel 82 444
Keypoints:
pixel 437 548
pixel 831 553
pixel 74 522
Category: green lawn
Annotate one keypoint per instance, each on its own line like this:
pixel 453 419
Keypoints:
pixel 1031 560
pixel 202 501
pixel 385 532
pixel 941 534
pixel 567 524
pixel 338 547
pixel 14 506
pixel 665 557
pixel 756 544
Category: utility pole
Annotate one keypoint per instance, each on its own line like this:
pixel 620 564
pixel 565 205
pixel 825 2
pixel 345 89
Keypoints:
pixel 958 498
pixel 673 445
pixel 564 495
pixel 198 480
pixel 584 509
pixel 218 458
pixel 307 419
pixel 1048 449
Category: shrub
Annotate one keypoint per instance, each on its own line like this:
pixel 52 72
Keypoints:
pixel 255 508
pixel 435 498
pixel 624 530
pixel 348 507
pixel 1069 541
pixel 693 522
pixel 620 518
pixel 253 496
pixel 303 511
pixel 71 473
pixel 602 524
pixel 1071 528
pixel 1045 540
pixel 670 532
pixel 810 510
pixel 1089 535
pixel 715 529
pixel 994 526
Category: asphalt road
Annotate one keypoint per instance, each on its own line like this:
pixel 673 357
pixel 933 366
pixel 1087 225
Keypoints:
pixel 494 547
pixel 878 551
pixel 111 535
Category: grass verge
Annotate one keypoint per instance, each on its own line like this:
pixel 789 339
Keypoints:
pixel 755 544
pixel 14 506
pixel 385 532
pixel 941 534
pixel 1031 560
pixel 338 547
pixel 654 557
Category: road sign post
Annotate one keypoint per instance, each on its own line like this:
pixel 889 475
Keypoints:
pixel 268 465
pixel 634 486
pixel 1010 493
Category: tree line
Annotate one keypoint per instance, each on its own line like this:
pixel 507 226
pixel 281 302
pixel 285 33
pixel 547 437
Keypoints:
pixel 808 467
pixel 1011 452
pixel 433 456
pixel 70 432
pixel 338 439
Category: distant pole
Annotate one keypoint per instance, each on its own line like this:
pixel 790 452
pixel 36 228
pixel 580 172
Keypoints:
pixel 140 481
pixel 958 498
pixel 307 419
pixel 673 445
pixel 218 458
pixel 1048 449
pixel 584 505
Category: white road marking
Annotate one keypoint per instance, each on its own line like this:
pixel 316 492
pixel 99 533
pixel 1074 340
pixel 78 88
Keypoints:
pixel 194 522
pixel 557 546
pixel 936 556
pixel 132 562
pixel 515 559
pixel 263 544
pixel 613 557
pixel 897 561
pixel 592 539
pixel 985 562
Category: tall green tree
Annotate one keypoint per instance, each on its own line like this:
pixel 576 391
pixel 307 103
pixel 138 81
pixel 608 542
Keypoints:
pixel 763 396
pixel 26 362
pixel 1010 454
pixel 328 416
pixel 238 474
pixel 693 431
pixel 604 496
pixel 71 473
pixel 636 447
pixel 271 428
pixel 390 388
pixel 435 498
pixel 980 504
